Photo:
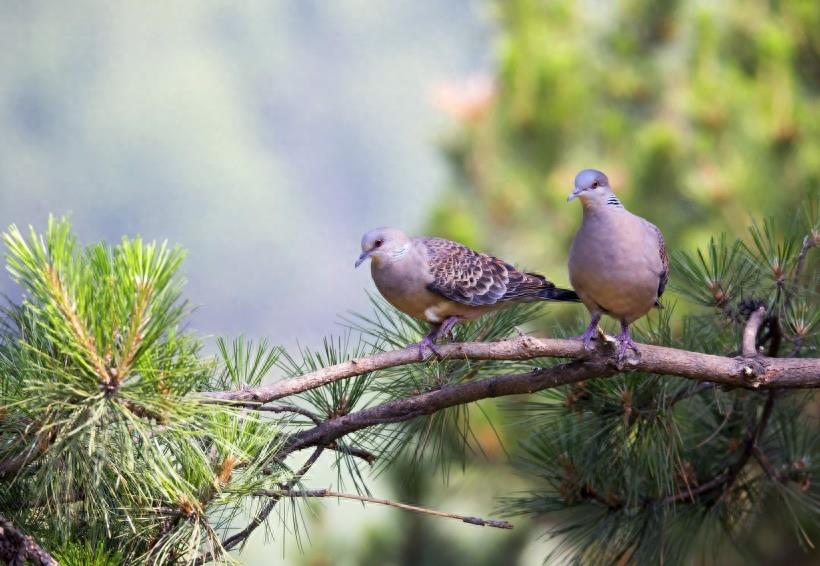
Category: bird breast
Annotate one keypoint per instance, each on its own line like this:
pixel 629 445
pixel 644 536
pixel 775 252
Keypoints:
pixel 614 264
pixel 404 284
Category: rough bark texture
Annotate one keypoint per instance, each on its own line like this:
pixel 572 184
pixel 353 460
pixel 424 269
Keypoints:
pixel 746 371
pixel 18 548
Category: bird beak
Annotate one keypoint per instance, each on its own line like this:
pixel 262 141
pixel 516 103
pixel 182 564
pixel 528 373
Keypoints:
pixel 575 192
pixel 362 257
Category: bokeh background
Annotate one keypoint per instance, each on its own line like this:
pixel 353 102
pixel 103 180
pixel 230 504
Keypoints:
pixel 266 136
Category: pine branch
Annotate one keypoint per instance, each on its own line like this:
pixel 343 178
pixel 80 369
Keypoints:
pixel 749 446
pixel 727 480
pixel 134 338
pixel 415 508
pixel 64 305
pixel 280 408
pixel 430 402
pixel 760 372
pixel 239 538
pixel 809 242
pixel 365 455
pixel 18 548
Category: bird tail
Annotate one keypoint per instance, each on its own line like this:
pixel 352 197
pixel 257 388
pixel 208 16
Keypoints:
pixel 557 294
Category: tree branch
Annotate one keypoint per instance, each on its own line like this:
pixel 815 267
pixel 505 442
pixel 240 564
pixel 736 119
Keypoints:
pixel 18 548
pixel 809 241
pixel 365 455
pixel 726 480
pixel 327 493
pixel 430 402
pixel 279 408
pixel 750 445
pixel 761 372
pixel 749 342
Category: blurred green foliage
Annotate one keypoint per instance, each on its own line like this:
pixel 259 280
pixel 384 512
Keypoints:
pixel 699 112
pixel 703 114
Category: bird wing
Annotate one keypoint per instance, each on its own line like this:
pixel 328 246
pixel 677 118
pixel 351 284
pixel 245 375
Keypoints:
pixel 663 278
pixel 472 278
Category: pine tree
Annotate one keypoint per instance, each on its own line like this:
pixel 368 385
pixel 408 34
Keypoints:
pixel 121 442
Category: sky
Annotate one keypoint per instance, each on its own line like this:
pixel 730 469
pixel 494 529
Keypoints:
pixel 262 137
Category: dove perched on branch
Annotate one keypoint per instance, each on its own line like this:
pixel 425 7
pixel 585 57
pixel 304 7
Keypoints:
pixel 617 263
pixel 442 282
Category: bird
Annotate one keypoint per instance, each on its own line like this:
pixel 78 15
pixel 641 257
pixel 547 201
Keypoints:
pixel 618 263
pixel 443 282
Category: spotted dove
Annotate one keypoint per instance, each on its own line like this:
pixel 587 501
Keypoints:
pixel 617 263
pixel 442 282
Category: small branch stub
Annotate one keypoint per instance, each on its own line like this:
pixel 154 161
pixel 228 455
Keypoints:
pixel 749 344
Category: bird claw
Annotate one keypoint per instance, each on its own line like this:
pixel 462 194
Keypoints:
pixel 588 336
pixel 425 345
pixel 447 327
pixel 625 344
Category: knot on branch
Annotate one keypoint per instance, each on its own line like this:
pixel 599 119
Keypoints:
pixel 487 522
pixel 752 372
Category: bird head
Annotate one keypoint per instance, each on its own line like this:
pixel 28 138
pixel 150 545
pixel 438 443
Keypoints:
pixel 591 186
pixel 383 244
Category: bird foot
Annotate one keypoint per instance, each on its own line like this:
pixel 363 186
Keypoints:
pixel 427 348
pixel 448 325
pixel 625 344
pixel 590 334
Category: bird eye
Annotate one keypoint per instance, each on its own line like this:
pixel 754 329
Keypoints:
pixel 378 243
pixel 594 184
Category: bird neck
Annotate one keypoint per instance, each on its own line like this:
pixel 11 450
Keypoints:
pixel 390 257
pixel 612 200
pixel 602 205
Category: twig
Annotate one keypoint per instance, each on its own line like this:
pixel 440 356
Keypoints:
pixel 240 537
pixel 691 494
pixel 14 464
pixel 368 457
pixel 750 331
pixel 18 548
pixel 765 464
pixel 612 501
pixel 134 338
pixel 727 480
pixel 808 243
pixel 751 443
pixel 327 493
pixel 280 408
pixel 760 372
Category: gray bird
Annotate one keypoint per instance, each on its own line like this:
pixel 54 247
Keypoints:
pixel 442 282
pixel 617 263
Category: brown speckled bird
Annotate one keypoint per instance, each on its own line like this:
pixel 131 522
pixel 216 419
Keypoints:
pixel 442 282
pixel 617 263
